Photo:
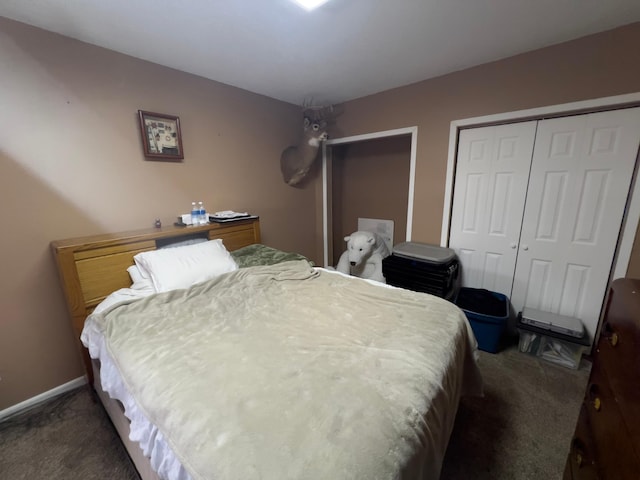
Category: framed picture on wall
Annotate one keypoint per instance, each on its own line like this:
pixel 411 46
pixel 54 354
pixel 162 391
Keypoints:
pixel 161 136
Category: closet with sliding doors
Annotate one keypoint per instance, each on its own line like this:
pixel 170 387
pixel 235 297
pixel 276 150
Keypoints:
pixel 538 208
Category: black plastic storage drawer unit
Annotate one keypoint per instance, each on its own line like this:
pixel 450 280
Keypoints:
pixel 423 268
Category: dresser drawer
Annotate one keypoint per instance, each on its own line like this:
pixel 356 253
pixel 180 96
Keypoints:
pixel 620 334
pixel 611 442
pixel 606 444
pixel 618 354
pixel 581 463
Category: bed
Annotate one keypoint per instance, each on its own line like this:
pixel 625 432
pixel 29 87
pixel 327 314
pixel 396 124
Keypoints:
pixel 269 368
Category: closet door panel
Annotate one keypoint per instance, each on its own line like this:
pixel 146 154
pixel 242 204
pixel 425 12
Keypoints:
pixel 580 179
pixel 489 192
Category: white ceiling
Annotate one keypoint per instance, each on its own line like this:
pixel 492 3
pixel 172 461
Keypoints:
pixel 344 50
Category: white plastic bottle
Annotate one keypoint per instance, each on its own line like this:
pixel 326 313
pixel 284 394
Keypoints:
pixel 195 214
pixel 202 214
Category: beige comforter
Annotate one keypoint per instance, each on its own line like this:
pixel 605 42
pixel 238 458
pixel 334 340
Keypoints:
pixel 286 372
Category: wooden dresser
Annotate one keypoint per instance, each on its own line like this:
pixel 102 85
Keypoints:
pixel 606 443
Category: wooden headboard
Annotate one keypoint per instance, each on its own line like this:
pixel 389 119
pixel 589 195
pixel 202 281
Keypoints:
pixel 90 268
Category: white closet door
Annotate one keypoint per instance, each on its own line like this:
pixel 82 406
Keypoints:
pixel 489 193
pixel 580 179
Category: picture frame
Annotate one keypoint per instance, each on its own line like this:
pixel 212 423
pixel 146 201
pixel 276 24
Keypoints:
pixel 161 136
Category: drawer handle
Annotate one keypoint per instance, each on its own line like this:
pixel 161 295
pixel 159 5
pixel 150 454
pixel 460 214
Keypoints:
pixel 592 395
pixel 613 339
pixel 578 451
pixel 597 404
pixel 578 455
pixel 611 336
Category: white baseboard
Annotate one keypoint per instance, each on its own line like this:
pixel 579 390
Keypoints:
pixel 43 397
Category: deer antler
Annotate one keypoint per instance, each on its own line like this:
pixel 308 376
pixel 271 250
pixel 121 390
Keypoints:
pixel 319 113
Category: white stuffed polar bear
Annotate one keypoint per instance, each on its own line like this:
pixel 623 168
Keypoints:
pixel 363 256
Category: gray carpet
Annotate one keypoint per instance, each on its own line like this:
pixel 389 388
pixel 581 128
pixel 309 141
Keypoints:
pixel 520 429
pixel 68 438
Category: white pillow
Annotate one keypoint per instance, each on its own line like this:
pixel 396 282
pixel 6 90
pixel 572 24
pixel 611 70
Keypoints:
pixel 181 267
pixel 136 274
pixel 140 279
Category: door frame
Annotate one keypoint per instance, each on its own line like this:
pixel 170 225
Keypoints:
pixel 632 215
pixel 412 131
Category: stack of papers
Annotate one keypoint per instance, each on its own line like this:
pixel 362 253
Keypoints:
pixel 184 219
pixel 229 216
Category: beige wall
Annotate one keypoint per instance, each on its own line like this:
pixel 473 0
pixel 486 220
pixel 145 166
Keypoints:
pixel 70 156
pixel 71 164
pixel 596 66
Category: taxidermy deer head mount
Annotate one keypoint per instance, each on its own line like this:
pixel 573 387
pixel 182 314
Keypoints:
pixel 297 160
